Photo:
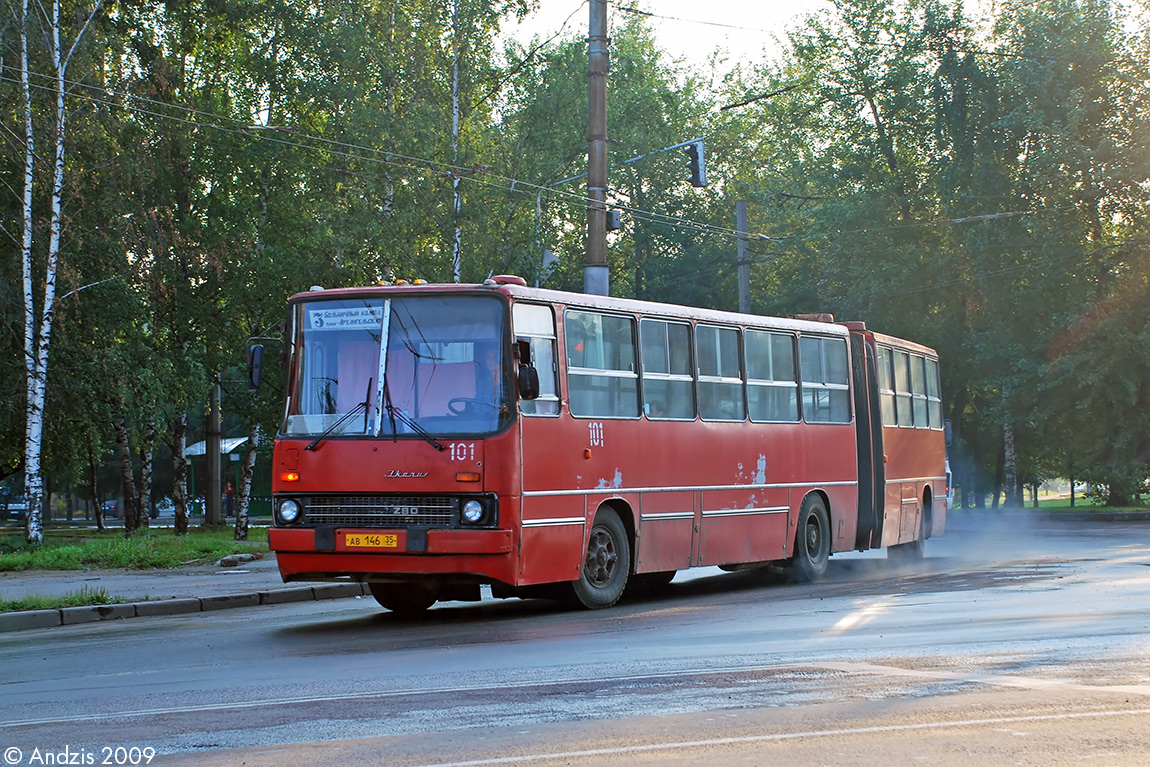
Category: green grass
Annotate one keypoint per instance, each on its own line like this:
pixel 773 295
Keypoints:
pixel 148 550
pixel 85 597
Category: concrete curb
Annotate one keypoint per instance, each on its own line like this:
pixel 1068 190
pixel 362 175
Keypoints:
pixel 37 619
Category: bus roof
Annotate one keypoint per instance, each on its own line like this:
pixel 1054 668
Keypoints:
pixel 902 343
pixel 546 295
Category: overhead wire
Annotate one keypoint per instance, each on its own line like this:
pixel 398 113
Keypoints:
pixel 902 46
pixel 479 174
pixel 483 175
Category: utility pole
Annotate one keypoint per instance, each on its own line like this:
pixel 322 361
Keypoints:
pixel 595 276
pixel 744 262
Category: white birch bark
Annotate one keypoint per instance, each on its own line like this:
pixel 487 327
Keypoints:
pixel 245 490
pixel 36 344
pixel 457 196
pixel 33 433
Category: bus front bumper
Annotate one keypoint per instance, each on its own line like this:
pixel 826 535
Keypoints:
pixel 329 553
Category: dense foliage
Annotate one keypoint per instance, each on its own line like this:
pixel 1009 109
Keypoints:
pixel 982 190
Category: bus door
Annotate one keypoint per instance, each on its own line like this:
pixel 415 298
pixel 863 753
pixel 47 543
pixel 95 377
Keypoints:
pixel 868 434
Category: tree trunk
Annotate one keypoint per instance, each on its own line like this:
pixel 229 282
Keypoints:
pixel 245 488
pixel 180 473
pixel 34 420
pixel 1120 492
pixel 144 486
pixel 127 485
pixel 94 488
pixel 456 192
pixel 36 344
pixel 1009 465
pixel 979 501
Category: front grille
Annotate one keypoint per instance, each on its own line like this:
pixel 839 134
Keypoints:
pixel 381 511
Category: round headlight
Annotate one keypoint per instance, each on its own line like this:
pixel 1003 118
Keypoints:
pixel 472 512
pixel 289 511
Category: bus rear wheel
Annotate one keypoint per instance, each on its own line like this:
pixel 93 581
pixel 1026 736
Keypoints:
pixel 403 598
pixel 812 541
pixel 606 564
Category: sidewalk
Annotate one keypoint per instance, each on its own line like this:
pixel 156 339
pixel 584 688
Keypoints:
pixel 161 592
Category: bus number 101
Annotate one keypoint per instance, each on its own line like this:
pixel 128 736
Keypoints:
pixel 462 451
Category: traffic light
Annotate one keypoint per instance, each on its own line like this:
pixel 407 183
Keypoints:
pixel 696 163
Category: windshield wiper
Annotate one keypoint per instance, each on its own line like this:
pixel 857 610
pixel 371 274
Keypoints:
pixel 366 405
pixel 395 414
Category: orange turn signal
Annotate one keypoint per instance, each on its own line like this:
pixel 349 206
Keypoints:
pixel 468 476
pixel 289 476
pixel 587 453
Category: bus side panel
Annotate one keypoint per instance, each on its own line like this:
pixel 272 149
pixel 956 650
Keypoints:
pixel 666 531
pixel 551 542
pixel 938 519
pixel 743 526
pixel 829 455
pixel 915 463
pixel 844 515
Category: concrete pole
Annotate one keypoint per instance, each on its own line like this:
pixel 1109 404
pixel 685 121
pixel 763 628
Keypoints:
pixel 743 257
pixel 595 276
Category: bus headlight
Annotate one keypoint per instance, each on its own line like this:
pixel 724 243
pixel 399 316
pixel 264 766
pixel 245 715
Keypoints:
pixel 288 511
pixel 473 512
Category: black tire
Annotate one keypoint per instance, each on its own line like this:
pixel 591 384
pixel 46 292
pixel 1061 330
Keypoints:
pixel 606 564
pixel 403 598
pixel 812 541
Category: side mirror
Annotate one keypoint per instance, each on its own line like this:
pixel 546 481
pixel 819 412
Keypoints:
pixel 948 431
pixel 528 382
pixel 255 365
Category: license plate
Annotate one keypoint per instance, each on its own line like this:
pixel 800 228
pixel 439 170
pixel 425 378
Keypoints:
pixel 370 541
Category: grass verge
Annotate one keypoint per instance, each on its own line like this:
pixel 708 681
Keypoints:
pixel 148 550
pixel 85 597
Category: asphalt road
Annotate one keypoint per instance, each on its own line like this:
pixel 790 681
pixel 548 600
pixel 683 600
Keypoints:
pixel 1012 643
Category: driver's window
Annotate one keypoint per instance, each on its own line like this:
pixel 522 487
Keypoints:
pixel 536 325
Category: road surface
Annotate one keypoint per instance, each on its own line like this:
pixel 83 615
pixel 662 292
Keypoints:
pixel 1017 642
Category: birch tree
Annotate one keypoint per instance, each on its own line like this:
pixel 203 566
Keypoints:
pixel 38 329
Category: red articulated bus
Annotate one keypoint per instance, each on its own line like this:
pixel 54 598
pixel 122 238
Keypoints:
pixel 442 437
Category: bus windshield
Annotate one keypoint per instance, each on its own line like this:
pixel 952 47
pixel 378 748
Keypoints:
pixel 419 365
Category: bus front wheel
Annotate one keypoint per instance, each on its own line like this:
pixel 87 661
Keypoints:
pixel 403 598
pixel 606 564
pixel 812 541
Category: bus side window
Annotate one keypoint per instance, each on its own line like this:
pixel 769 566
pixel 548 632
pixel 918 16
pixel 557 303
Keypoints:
pixel 933 394
pixel 886 385
pixel 826 386
pixel 903 397
pixel 772 392
pixel 602 377
pixel 543 359
pixel 535 325
pixel 668 388
pixel 918 390
pixel 720 374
